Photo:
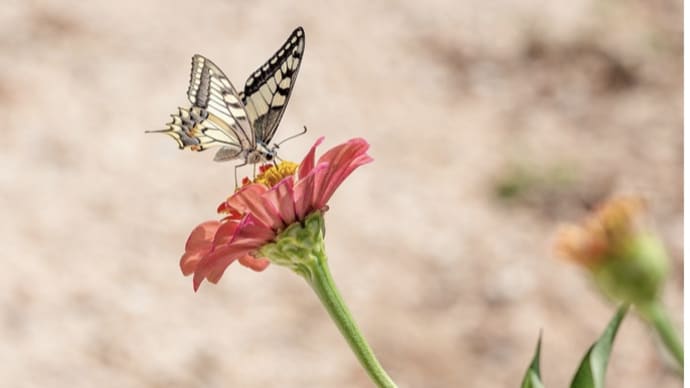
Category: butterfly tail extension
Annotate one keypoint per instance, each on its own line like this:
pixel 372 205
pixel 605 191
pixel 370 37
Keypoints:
pixel 183 129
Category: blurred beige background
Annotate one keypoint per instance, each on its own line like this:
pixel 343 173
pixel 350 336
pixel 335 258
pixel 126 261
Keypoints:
pixel 490 122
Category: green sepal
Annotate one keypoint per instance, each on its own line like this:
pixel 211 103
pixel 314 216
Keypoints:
pixel 299 247
pixel 592 370
pixel 635 271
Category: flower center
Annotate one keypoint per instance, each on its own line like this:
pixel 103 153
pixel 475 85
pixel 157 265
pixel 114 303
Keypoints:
pixel 270 174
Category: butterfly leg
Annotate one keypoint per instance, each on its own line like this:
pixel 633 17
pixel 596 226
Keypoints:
pixel 236 167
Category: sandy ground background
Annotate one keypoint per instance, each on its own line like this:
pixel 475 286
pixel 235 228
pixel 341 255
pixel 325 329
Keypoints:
pixel 569 101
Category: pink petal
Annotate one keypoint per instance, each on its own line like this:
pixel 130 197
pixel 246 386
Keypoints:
pixel 345 151
pixel 343 159
pixel 253 189
pixel 190 261
pixel 249 236
pixel 198 245
pixel 304 191
pixel 252 262
pixel 252 231
pixel 243 199
pixel 213 265
pixel 248 261
pixel 327 188
pixel 308 163
pixel 281 196
pixel 274 212
pixel 215 275
pixel 225 232
pixel 249 200
pixel 202 236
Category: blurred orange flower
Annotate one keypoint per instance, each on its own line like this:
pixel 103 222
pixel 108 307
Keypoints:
pixel 609 226
pixel 256 213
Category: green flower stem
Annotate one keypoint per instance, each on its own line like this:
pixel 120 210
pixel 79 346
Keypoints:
pixel 656 314
pixel 300 247
pixel 325 288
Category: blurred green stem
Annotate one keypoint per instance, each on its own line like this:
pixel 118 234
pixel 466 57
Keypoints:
pixel 656 314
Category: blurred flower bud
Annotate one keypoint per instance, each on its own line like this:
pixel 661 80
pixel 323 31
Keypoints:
pixel 627 261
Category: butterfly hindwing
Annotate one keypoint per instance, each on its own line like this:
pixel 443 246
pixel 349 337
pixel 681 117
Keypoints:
pixel 197 129
pixel 210 90
pixel 267 90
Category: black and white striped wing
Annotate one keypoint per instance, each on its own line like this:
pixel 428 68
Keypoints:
pixel 267 90
pixel 211 90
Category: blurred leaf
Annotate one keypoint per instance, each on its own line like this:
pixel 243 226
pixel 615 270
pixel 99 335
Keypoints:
pixel 532 377
pixel 514 183
pixel 592 371
pixel 522 181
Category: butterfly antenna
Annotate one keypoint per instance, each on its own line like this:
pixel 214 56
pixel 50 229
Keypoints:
pixel 292 137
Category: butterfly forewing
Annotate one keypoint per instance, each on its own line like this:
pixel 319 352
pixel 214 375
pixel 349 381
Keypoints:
pixel 267 90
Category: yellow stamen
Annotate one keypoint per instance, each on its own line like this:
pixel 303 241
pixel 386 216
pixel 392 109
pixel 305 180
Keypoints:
pixel 274 174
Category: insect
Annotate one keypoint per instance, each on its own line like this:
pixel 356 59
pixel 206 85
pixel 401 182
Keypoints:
pixel 242 124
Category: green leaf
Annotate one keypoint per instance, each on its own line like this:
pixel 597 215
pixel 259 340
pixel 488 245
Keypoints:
pixel 532 377
pixel 592 371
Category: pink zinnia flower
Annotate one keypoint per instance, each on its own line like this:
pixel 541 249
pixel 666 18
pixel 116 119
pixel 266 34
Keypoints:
pixel 260 210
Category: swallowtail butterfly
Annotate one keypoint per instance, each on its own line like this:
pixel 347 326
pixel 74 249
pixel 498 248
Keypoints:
pixel 244 123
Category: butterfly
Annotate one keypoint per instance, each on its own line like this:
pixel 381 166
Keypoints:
pixel 242 124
